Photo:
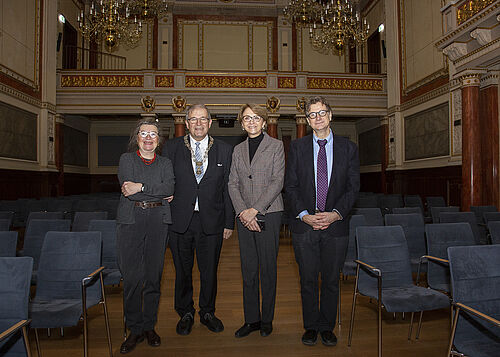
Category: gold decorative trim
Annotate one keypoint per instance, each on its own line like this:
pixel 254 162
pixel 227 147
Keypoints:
pixel 470 8
pixel 164 81
pixel 344 84
pixel 273 104
pixel 226 82
pixel 287 82
pixel 101 81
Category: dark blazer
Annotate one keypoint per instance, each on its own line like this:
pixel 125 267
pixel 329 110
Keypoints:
pixel 216 210
pixel 258 184
pixel 300 187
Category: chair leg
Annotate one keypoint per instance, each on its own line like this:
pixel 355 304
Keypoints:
pixel 37 342
pixel 394 316
pixel 353 309
pixel 85 327
pixel 379 325
pixel 419 325
pixel 403 315
pixel 411 326
pixel 453 329
pixel 62 331
pixel 26 341
pixel 106 317
pixel 48 332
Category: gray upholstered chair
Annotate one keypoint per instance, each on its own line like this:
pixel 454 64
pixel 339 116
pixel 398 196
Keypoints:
pixel 349 268
pixel 407 210
pixel 373 216
pixel 436 211
pixel 494 228
pixel 4 224
pixel 491 216
pixel 475 279
pixel 388 202
pixel 369 201
pixel 111 273
pixel 479 212
pixel 414 229
pixel 8 243
pixel 480 234
pixel 384 274
pixel 43 215
pixel 69 282
pixel 7 215
pixel 82 219
pixel 86 205
pixel 435 201
pixel 414 201
pixel 15 277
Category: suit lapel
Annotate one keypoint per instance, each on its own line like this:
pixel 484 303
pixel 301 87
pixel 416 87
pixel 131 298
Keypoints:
pixel 262 146
pixel 186 157
pixel 309 153
pixel 245 154
pixel 337 157
pixel 212 161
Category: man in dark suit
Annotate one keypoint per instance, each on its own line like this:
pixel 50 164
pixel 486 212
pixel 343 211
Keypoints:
pixel 321 186
pixel 202 215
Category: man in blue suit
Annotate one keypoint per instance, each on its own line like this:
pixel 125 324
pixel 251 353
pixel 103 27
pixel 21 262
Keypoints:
pixel 321 186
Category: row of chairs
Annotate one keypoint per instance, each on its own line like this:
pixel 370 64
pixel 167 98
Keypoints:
pixel 70 281
pixel 384 273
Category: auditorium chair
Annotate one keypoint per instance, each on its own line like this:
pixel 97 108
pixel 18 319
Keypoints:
pixel 436 211
pixel 111 273
pixel 82 219
pixel 7 215
pixel 480 234
pixel 373 216
pixel 475 276
pixel 494 229
pixel 480 210
pixel 8 243
pixel 435 201
pixel 491 216
pixel 43 215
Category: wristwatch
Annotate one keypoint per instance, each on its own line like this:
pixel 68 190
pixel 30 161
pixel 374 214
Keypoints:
pixel 142 188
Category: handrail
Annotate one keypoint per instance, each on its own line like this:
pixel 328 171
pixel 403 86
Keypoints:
pixel 84 58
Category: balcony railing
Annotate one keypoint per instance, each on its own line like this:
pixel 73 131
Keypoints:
pixel 83 58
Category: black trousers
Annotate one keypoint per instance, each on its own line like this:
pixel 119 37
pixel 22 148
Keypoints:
pixel 141 253
pixel 317 252
pixel 258 254
pixel 207 249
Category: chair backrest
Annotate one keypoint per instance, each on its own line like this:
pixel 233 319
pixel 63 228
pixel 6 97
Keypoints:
pixel 469 217
pixel 407 210
pixel 439 237
pixel 388 202
pixel 385 248
pixel 355 221
pixel 475 276
pixel 8 243
pixel 369 201
pixel 414 201
pixel 35 235
pixel 43 215
pixel 82 220
pixel 15 278
pixel 108 235
pixel 494 228
pixel 491 216
pixel 4 224
pixel 8 215
pixel 435 211
pixel 414 228
pixel 111 206
pixel 66 258
pixel 479 211
pixel 435 201
pixel 373 216
pixel 88 205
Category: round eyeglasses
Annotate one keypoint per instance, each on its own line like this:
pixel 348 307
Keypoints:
pixel 315 115
pixel 152 134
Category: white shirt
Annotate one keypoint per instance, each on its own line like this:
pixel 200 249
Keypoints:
pixel 203 148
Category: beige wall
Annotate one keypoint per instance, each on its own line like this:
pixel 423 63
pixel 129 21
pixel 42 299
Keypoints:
pixel 313 61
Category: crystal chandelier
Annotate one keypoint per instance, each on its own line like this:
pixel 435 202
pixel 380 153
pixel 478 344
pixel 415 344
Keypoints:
pixel 333 24
pixel 115 21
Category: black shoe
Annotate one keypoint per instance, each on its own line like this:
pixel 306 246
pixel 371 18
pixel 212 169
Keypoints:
pixel 266 328
pixel 212 322
pixel 309 337
pixel 246 329
pixel 328 338
pixel 152 338
pixel 185 324
pixel 129 344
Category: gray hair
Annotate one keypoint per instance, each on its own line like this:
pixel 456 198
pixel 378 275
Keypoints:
pixel 132 143
pixel 317 99
pixel 196 106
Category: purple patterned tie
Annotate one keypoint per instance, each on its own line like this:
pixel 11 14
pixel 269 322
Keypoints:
pixel 321 177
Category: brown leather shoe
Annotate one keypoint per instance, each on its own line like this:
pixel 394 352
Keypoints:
pixel 129 344
pixel 152 338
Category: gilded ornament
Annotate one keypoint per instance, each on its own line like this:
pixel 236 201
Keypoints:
pixel 273 104
pixel 225 82
pixel 101 81
pixel 148 104
pixel 286 82
pixel 179 103
pixel 164 81
pixel 301 105
pixel 470 8
pixel 344 84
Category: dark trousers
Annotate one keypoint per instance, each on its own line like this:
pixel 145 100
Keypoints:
pixel 258 254
pixel 207 249
pixel 317 252
pixel 141 253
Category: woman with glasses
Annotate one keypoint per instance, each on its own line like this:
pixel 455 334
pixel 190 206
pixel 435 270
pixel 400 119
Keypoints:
pixel 146 180
pixel 255 183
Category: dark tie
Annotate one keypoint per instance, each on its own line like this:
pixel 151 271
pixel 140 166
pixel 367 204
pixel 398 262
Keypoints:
pixel 321 177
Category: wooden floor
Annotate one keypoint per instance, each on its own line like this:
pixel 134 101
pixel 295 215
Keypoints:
pixel 285 339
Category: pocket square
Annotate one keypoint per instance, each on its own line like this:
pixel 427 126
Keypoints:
pixel 219 164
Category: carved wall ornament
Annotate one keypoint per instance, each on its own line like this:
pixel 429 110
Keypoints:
pixel 164 81
pixel 287 82
pixel 483 36
pixel 301 105
pixel 455 50
pixel 300 119
pixel 102 81
pixel 226 82
pixel 470 8
pixel 344 83
pixel 273 104
pixel 473 79
pixel 179 104
pixel 148 104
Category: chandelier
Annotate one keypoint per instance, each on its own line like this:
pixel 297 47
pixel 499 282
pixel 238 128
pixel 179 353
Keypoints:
pixel 115 21
pixel 333 25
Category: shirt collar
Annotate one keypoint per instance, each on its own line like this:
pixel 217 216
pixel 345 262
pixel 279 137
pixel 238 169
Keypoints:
pixel 329 138
pixel 203 142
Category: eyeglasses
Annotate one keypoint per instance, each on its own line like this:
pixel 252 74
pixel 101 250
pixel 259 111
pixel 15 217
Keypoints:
pixel 249 118
pixel 201 120
pixel 152 134
pixel 314 115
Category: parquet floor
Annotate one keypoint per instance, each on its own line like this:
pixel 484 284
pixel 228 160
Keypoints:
pixel 285 339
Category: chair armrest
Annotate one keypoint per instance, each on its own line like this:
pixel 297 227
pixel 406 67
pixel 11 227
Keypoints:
pixel 477 313
pixel 91 276
pixel 436 259
pixel 369 267
pixel 13 329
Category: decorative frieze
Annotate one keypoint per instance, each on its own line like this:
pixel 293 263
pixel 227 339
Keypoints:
pixel 164 81
pixel 470 8
pixel 483 36
pixel 455 50
pixel 102 81
pixel 287 82
pixel 226 81
pixel 344 83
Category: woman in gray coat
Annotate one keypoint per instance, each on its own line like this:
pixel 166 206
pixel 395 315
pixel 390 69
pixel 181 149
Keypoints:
pixel 143 216
pixel 255 183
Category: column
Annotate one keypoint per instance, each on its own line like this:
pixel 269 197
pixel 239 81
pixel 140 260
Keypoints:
pixel 59 153
pixel 384 128
pixel 179 124
pixel 471 143
pixel 300 120
pixel 272 125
